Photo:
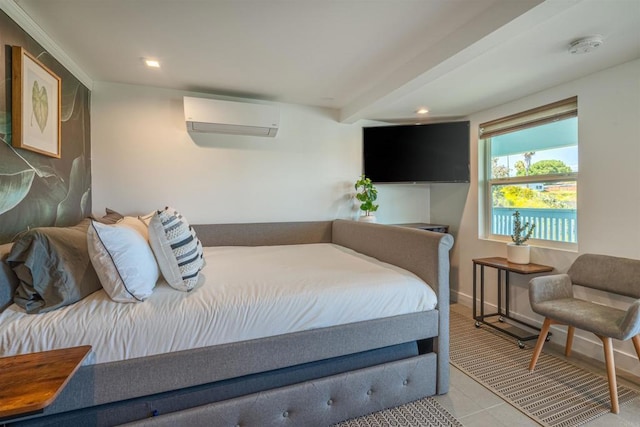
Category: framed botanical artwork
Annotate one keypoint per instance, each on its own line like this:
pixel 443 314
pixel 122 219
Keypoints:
pixel 36 103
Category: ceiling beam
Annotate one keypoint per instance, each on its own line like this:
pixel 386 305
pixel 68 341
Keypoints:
pixel 504 20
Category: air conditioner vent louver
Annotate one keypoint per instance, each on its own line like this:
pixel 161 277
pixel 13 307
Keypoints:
pixel 230 117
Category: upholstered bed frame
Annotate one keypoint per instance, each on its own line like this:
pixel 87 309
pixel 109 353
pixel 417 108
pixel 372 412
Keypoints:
pixel 317 377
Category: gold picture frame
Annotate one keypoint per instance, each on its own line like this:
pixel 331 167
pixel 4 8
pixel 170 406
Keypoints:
pixel 36 109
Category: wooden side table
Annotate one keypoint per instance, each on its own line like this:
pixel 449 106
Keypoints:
pixel 504 267
pixel 31 382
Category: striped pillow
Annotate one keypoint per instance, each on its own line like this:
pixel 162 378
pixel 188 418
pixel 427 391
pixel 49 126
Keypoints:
pixel 176 247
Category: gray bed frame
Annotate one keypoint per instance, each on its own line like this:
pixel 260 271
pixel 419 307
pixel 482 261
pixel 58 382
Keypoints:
pixel 317 377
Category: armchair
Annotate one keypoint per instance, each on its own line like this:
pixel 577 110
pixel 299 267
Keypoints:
pixel 552 297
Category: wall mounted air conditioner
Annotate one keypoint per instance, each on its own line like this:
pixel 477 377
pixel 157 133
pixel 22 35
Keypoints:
pixel 230 117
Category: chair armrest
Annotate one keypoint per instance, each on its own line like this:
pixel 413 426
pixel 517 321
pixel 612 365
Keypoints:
pixel 548 288
pixel 630 325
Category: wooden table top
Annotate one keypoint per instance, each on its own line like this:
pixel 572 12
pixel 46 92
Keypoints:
pixel 31 382
pixel 499 262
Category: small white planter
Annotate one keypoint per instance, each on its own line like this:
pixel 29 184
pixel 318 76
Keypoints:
pixel 518 254
pixel 367 218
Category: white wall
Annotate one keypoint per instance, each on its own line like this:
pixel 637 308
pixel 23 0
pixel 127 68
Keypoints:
pixel 143 159
pixel 608 195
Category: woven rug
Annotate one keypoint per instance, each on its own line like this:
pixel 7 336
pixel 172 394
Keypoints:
pixel 557 393
pixel 425 412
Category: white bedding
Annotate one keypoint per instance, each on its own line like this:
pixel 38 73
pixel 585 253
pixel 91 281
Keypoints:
pixel 245 293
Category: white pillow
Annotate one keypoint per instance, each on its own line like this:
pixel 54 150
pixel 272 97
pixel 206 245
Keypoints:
pixel 123 260
pixel 177 249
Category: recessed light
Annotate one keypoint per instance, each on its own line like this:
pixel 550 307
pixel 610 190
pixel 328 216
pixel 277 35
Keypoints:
pixel 152 63
pixel 422 110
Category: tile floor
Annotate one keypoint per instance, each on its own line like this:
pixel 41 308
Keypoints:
pixel 474 405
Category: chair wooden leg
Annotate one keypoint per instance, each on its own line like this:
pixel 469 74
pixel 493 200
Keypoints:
pixel 567 347
pixel 636 344
pixel 538 349
pixel 611 373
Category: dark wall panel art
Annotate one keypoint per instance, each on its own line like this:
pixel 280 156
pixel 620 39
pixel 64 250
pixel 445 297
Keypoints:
pixel 38 190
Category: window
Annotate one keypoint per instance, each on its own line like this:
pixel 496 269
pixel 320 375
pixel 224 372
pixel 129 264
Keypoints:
pixel 532 167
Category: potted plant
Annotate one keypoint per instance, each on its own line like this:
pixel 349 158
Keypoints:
pixel 367 194
pixel 518 252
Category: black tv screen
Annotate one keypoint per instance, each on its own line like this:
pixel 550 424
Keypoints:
pixel 436 152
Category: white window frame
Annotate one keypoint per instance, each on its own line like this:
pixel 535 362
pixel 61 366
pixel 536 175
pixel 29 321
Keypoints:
pixel 531 118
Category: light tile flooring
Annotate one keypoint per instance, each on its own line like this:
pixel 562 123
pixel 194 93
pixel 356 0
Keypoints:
pixel 474 405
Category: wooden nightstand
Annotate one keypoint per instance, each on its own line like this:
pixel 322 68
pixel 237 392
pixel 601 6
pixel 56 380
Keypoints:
pixel 31 382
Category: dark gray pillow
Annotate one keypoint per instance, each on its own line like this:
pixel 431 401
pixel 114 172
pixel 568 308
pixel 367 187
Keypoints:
pixel 8 279
pixel 110 217
pixel 53 266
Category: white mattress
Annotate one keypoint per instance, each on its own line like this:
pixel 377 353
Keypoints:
pixel 245 293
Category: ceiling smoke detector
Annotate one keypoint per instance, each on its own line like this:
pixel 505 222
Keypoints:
pixel 585 45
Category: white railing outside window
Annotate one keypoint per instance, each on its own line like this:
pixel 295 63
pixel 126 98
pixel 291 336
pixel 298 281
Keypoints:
pixel 559 225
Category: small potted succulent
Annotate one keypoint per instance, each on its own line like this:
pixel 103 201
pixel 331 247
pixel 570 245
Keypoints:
pixel 518 252
pixel 367 195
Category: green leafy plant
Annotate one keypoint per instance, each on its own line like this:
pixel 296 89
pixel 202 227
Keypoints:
pixel 367 194
pixel 521 233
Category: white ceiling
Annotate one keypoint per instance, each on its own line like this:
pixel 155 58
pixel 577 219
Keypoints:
pixel 373 59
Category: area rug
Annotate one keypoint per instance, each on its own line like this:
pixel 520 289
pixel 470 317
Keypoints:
pixel 557 393
pixel 425 412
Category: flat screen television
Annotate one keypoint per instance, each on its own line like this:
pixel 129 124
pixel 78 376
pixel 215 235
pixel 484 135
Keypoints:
pixel 435 152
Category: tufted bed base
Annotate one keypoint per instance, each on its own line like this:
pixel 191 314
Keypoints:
pixel 321 402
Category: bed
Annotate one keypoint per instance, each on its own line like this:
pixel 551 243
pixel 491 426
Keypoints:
pixel 281 352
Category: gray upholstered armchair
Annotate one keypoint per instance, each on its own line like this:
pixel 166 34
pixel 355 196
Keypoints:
pixel 552 297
